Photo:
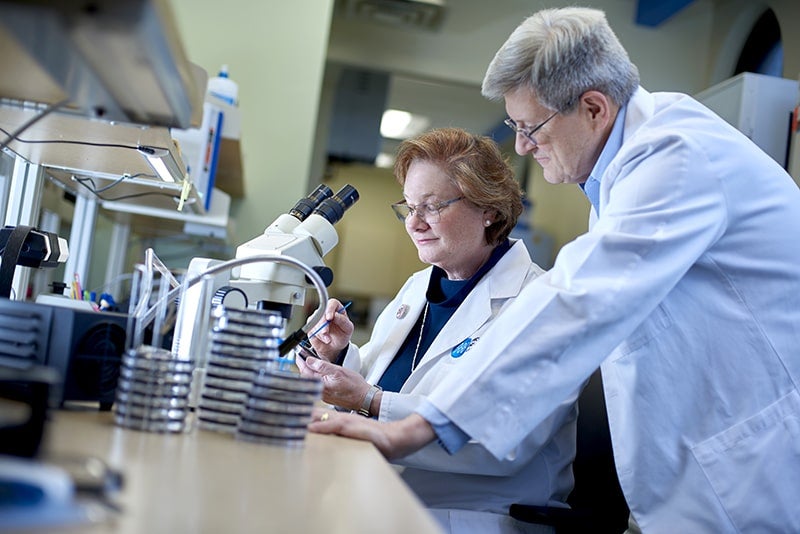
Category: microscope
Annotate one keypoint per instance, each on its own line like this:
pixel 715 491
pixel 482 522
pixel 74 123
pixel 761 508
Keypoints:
pixel 304 234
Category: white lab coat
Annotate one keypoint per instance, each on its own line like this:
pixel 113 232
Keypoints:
pixel 538 471
pixel 690 280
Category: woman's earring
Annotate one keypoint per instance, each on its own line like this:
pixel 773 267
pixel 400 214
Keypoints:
pixel 487 222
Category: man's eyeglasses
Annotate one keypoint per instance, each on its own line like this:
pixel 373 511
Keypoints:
pixel 528 132
pixel 429 213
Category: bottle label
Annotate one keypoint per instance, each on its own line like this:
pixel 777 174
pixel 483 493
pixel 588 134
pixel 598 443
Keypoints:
pixel 225 98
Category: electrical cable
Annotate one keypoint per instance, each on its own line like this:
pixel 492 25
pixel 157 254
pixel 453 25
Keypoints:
pixel 116 182
pixel 66 142
pixel 33 120
pixel 96 192
pixel 138 195
pixel 14 136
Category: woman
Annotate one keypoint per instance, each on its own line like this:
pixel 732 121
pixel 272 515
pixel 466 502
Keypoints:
pixel 460 203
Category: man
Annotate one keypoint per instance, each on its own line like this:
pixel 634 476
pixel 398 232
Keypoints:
pixel 686 288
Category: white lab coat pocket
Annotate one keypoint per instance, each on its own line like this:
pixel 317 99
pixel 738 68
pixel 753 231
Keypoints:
pixel 754 468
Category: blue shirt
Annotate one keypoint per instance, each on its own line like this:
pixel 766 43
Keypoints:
pixel 444 297
pixel 592 185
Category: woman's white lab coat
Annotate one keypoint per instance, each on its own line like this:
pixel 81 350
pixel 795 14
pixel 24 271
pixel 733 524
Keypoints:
pixel 690 280
pixel 539 469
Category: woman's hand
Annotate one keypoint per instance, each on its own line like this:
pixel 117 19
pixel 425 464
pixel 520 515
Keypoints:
pixel 341 387
pixel 394 440
pixel 335 337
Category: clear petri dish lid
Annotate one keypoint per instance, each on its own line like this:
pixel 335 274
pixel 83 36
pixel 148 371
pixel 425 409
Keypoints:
pixel 135 361
pixel 244 341
pixel 277 419
pixel 224 325
pixel 249 315
pixel 278 406
pixel 150 389
pixel 139 399
pixel 288 381
pixel 231 373
pixel 220 350
pixel 286 397
pixel 225 395
pixel 272 431
pixel 209 403
pixel 151 377
pixel 216 427
pixel 235 363
pixel 146 424
pixel 226 384
pixel 216 416
pixel 150 412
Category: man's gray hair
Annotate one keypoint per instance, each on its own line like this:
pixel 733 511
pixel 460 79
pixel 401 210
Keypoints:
pixel 559 54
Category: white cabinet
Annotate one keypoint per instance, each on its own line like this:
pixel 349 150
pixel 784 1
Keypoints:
pixel 757 105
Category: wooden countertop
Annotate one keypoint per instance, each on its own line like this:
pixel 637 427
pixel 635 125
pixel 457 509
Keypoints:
pixel 203 481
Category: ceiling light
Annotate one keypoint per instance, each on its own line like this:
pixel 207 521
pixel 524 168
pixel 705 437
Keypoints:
pixel 384 160
pixel 397 124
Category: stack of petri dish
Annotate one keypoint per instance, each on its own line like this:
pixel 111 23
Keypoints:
pixel 278 408
pixel 153 390
pixel 241 342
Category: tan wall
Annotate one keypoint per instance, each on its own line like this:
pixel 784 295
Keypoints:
pixel 733 20
pixel 280 93
pixel 562 211
pixel 559 210
pixel 375 254
pixel 276 52
pixel 788 14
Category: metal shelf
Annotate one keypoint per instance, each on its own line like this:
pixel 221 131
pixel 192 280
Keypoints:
pixel 113 60
pixel 67 146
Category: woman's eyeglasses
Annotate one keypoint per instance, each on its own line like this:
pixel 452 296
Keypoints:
pixel 429 213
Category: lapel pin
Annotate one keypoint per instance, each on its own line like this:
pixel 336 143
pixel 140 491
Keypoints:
pixel 402 311
pixel 462 347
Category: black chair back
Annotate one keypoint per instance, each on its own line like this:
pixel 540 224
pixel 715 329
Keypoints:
pixel 597 503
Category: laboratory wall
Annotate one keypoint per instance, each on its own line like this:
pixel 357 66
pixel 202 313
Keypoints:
pixel 276 52
pixel 788 14
pixel 375 254
pixel 672 56
pixel 692 50
pixel 481 27
pixel 733 20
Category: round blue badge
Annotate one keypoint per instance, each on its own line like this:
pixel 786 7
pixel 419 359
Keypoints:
pixel 461 348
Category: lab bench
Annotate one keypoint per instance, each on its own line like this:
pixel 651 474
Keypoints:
pixel 203 481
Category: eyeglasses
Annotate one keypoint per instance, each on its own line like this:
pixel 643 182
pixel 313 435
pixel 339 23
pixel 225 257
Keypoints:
pixel 429 213
pixel 528 132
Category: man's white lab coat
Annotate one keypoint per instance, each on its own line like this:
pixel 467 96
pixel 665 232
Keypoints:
pixel 690 280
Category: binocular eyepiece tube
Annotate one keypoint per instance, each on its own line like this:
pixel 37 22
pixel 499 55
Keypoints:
pixel 306 205
pixel 333 208
pixel 323 202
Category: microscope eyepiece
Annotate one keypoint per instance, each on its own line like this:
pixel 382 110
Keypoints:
pixel 306 205
pixel 333 208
